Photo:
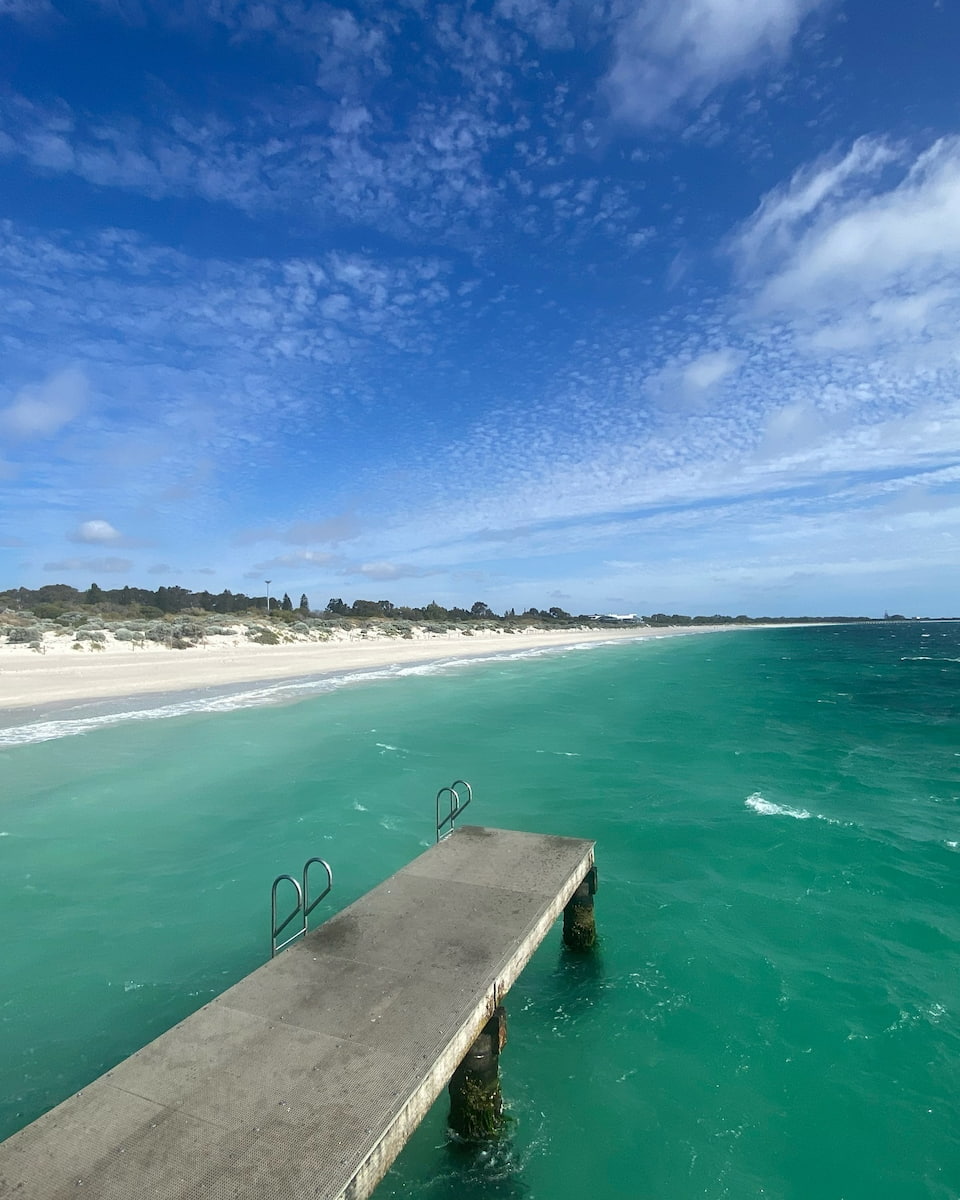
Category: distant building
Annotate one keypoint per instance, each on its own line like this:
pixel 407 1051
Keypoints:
pixel 617 617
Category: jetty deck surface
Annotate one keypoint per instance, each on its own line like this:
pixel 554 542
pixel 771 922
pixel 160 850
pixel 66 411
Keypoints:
pixel 306 1078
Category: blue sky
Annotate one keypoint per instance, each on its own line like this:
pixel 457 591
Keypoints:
pixel 636 305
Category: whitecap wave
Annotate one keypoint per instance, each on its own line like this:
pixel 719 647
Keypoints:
pixel 766 808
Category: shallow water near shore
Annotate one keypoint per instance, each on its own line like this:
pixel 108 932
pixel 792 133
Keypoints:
pixel 774 1010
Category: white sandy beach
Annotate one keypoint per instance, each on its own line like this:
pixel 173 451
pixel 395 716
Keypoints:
pixel 60 673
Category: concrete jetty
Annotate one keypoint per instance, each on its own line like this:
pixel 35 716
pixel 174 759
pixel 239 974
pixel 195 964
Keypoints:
pixel 306 1078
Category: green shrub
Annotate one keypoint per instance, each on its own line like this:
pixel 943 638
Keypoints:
pixel 72 619
pixel 23 634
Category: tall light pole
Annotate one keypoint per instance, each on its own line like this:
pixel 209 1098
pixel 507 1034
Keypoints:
pixel 267 582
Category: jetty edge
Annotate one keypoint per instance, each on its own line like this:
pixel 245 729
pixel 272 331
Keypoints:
pixel 307 1077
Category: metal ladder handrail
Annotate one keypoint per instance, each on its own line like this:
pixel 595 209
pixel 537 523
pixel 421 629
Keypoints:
pixel 304 906
pixel 456 808
pixel 275 929
pixel 308 908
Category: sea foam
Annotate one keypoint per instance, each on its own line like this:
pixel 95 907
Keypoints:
pixel 283 691
pixel 767 808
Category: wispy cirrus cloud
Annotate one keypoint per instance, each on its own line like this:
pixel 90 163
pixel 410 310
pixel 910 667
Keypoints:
pixel 299 560
pixel 674 53
pixel 340 528
pixel 30 12
pixel 100 566
pixel 41 410
pixel 693 384
pixel 383 572
pixel 863 251
pixel 837 232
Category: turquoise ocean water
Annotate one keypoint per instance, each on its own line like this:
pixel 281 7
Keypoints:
pixel 775 1007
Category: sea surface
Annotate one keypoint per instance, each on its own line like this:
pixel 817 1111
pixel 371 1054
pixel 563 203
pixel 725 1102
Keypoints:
pixel 774 1010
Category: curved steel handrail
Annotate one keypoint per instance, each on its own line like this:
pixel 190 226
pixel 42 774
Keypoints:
pixel 469 791
pixel 310 905
pixel 275 929
pixel 456 807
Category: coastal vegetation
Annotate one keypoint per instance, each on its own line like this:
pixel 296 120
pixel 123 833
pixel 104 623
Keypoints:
pixel 54 600
pixel 179 618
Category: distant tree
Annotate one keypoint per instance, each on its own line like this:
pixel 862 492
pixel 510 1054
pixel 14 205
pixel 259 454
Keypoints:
pixel 409 614
pixel 172 599
pixel 338 608
pixel 304 605
pixel 434 612
pixel 58 591
pixel 286 603
pixel 558 614
pixel 366 608
pixel 482 611
pixel 94 594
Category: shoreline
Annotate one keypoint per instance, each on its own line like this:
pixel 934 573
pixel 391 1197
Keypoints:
pixel 34 685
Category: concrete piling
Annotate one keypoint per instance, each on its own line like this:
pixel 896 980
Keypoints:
pixel 579 920
pixel 476 1103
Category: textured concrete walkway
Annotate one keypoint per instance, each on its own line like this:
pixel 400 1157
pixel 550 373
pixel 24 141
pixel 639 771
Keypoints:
pixel 306 1078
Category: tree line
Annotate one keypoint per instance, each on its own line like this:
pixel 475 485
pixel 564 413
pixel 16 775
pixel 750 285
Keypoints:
pixel 54 599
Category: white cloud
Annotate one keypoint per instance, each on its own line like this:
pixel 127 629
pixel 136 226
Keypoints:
pixel 547 23
pixel 96 531
pixel 773 228
pixel 340 528
pixel 104 566
pixel 385 571
pixel 41 410
pixel 28 10
pixel 831 239
pixel 676 52
pixel 692 383
pixel 300 558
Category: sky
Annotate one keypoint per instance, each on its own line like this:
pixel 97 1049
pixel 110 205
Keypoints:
pixel 617 305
